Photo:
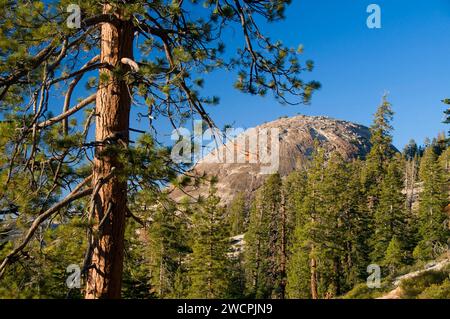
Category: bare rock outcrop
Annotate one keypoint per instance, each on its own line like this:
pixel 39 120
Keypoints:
pixel 297 138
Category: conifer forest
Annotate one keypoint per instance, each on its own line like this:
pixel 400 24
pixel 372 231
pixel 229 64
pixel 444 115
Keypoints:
pixel 105 193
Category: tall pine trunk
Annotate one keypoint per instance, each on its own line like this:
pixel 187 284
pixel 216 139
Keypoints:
pixel 113 102
pixel 283 247
pixel 313 282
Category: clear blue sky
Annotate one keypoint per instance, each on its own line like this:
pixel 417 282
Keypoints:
pixel 409 57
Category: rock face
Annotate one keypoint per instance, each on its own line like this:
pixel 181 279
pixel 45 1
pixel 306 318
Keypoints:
pixel 297 138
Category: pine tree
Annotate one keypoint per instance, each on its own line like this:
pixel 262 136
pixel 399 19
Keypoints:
pixel 395 255
pixel 299 272
pixel 444 161
pixel 297 266
pixel 447 112
pixel 355 229
pixel 136 275
pixel 340 230
pixel 381 151
pixel 343 231
pixel 390 217
pixel 440 143
pixel 328 253
pixel 294 190
pixel 237 214
pixel 306 246
pixel 329 230
pixel 44 274
pixel 140 53
pixel 376 165
pixel 410 150
pixel 264 251
pixel 209 263
pixel 167 249
pixel 411 234
pixel 433 228
pixel 236 287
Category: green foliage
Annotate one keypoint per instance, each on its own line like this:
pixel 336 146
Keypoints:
pixel 362 291
pixel 436 291
pixel 45 155
pixel 380 152
pixel 447 112
pixel 411 150
pixel 43 272
pixel 236 285
pixel 238 214
pixel 433 227
pixel 209 263
pixel 390 218
pixel 167 244
pixel 136 274
pixel 298 282
pixel 395 255
pixel 326 216
pixel 414 287
pixel 263 239
pixel 295 188
pixel 331 229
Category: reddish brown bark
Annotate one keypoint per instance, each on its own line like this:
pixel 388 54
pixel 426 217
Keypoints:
pixel 113 102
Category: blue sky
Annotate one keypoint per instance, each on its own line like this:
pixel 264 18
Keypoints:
pixel 409 57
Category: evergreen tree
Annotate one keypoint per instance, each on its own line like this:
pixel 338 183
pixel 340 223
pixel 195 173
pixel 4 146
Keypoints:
pixel 41 58
pixel 376 165
pixel 381 151
pixel 329 232
pixel 136 275
pixel 263 253
pixel 299 272
pixel 294 190
pixel 412 188
pixel 433 227
pixel 236 288
pixel 329 252
pixel 344 230
pixel 447 112
pixel 355 229
pixel 341 231
pixel 395 255
pixel 444 161
pixel 411 150
pixel 390 217
pixel 44 274
pixel 237 214
pixel 209 263
pixel 306 247
pixel 167 249
pixel 441 143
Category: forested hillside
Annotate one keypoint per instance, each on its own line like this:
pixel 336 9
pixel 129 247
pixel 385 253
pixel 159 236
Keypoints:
pixel 105 107
pixel 311 234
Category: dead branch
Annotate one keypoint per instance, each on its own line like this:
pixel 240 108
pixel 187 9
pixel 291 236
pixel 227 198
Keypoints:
pixel 137 219
pixel 98 186
pixel 70 91
pixel 69 112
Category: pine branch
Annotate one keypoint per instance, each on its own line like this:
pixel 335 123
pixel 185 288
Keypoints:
pixel 74 195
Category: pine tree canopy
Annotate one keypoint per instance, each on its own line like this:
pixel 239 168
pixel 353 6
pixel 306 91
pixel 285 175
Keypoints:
pixel 67 91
